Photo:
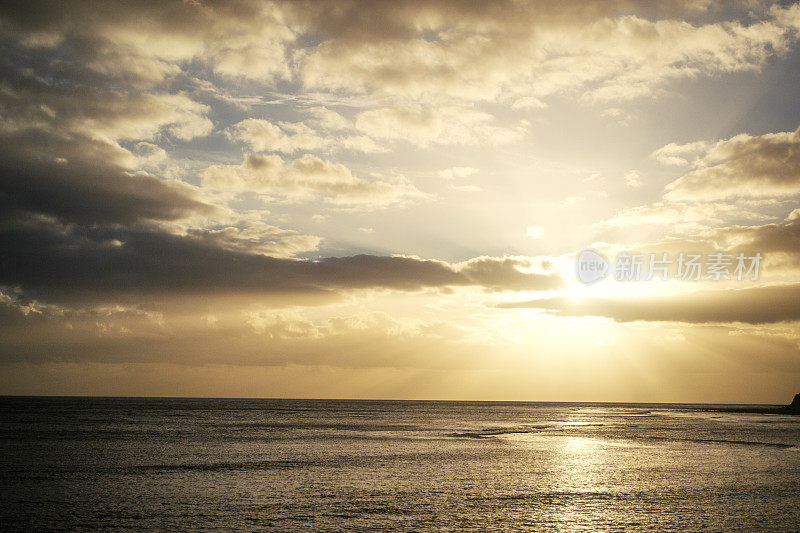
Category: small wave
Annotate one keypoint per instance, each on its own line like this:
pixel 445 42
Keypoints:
pixel 489 433
pixel 472 435
pixel 222 466
pixel 727 441
pixel 548 496
pixel 243 426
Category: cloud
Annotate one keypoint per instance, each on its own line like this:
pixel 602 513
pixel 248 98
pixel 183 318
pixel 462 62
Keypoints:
pixel 528 102
pixel 290 137
pixel 51 260
pixel 760 305
pixel 682 217
pixel 779 242
pixel 143 43
pixel 327 119
pixel 743 166
pixel 457 172
pixel 256 238
pixel 48 99
pixel 517 51
pixel 87 181
pixel 423 125
pixel 678 154
pixel 509 273
pixel 632 179
pixel 147 153
pixel 307 176
pixel 264 136
pixel 466 188
pixel 249 336
pixel 743 178
pixel 425 49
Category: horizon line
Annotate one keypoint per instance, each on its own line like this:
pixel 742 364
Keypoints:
pixel 127 397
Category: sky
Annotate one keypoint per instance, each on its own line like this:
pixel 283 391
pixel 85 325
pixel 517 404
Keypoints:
pixel 389 199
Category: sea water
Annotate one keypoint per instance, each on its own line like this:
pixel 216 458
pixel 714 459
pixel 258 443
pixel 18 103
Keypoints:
pixel 337 465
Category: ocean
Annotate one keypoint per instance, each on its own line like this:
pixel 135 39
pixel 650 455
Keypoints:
pixel 341 465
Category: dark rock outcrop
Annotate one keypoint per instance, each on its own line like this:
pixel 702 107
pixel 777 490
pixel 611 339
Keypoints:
pixel 793 408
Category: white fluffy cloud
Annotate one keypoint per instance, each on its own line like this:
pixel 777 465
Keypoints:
pixel 457 172
pixel 678 154
pixel 682 217
pixel 524 52
pixel 632 179
pixel 291 137
pixel 517 51
pixel 304 177
pixel 743 166
pixel 424 125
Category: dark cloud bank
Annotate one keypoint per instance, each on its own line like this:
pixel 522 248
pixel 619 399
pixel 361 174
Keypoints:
pixel 758 305
pixel 74 221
